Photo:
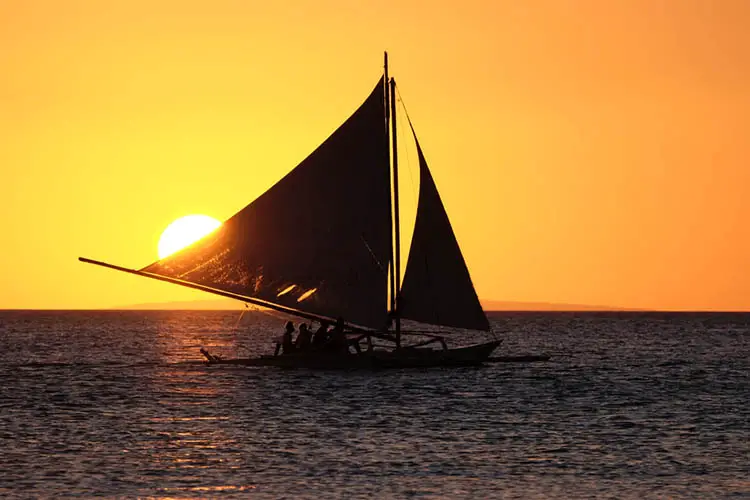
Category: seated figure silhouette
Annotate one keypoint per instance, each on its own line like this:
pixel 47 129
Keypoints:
pixel 337 341
pixel 286 345
pixel 304 339
pixel 321 336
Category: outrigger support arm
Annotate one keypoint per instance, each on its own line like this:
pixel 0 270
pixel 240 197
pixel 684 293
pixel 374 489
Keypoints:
pixel 432 340
pixel 236 296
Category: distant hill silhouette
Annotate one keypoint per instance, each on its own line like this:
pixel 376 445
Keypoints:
pixel 489 305
pixel 502 305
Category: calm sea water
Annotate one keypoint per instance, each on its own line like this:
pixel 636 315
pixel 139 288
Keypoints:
pixel 117 404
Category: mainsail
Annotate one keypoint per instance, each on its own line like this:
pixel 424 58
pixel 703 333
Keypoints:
pixel 319 240
pixel 437 288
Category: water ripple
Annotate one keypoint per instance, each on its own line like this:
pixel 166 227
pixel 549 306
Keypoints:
pixel 119 404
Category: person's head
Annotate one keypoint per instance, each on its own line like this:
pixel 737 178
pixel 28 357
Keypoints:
pixel 289 326
pixel 340 322
pixel 303 327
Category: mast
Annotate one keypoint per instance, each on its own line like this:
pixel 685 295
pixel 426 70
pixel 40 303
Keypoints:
pixel 392 280
pixel 397 229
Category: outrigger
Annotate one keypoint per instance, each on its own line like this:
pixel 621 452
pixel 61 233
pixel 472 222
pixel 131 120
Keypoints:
pixel 363 351
pixel 406 357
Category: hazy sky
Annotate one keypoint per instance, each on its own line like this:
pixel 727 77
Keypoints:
pixel 586 151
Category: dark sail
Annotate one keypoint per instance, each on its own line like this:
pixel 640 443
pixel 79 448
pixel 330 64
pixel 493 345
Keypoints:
pixel 437 288
pixel 318 241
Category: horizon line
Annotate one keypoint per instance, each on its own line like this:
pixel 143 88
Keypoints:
pixel 560 309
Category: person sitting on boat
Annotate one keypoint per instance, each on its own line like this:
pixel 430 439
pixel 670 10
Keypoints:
pixel 304 339
pixel 321 335
pixel 337 341
pixel 286 345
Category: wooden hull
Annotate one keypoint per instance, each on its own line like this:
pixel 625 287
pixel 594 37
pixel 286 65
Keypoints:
pixel 425 358
pixel 375 360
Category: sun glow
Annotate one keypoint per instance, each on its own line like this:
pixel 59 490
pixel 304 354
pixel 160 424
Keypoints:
pixel 185 231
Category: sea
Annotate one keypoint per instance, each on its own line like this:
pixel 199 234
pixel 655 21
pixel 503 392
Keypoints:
pixel 118 404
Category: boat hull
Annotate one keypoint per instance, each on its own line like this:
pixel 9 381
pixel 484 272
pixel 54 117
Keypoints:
pixel 425 358
pixel 374 360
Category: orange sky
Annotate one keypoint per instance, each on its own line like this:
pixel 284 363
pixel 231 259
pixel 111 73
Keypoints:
pixel 587 151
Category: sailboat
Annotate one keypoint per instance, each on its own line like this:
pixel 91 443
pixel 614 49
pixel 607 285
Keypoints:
pixel 323 244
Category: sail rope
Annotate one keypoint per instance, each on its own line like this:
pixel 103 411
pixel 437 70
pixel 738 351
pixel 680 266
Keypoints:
pixel 372 254
pixel 409 166
pixel 239 320
pixel 405 144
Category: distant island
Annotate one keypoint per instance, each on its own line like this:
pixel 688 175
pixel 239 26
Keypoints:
pixel 505 305
pixel 488 305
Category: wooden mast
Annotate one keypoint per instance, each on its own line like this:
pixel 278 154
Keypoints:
pixel 392 308
pixel 397 230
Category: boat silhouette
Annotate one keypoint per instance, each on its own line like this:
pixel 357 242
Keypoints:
pixel 323 244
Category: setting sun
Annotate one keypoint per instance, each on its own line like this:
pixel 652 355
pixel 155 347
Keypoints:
pixel 185 231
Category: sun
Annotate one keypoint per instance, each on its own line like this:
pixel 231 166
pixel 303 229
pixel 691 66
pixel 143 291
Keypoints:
pixel 185 231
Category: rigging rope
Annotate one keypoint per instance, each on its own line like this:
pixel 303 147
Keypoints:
pixel 408 154
pixel 234 330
